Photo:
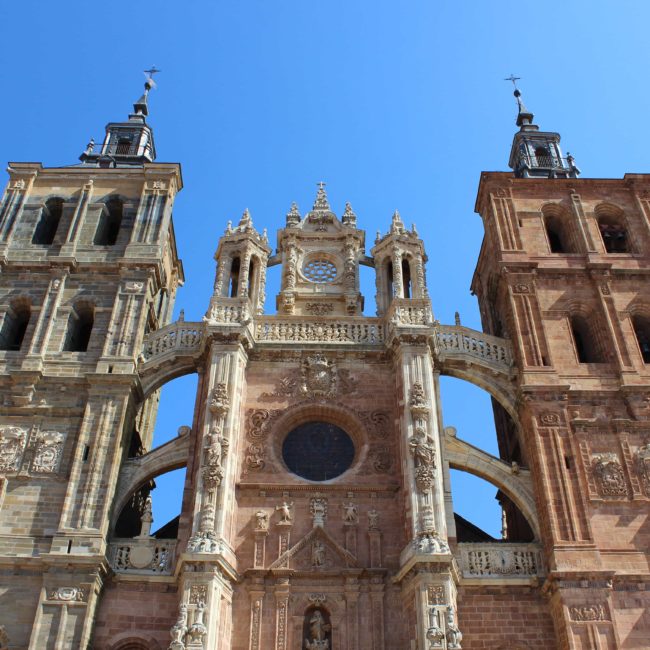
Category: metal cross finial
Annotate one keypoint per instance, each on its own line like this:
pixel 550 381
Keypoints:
pixel 152 71
pixel 321 185
pixel 513 79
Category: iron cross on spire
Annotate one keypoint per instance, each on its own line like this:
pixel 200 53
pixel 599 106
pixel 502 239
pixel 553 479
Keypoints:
pixel 321 185
pixel 513 79
pixel 152 71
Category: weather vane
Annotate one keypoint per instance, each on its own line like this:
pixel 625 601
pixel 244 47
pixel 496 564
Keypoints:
pixel 513 79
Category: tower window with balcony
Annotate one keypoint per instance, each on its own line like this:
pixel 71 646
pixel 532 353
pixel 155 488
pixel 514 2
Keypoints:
pixel 123 147
pixel 80 326
pixel 641 325
pixel 14 327
pixel 49 222
pixel 109 224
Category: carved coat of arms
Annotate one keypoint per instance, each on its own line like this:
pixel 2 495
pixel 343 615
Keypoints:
pixel 319 377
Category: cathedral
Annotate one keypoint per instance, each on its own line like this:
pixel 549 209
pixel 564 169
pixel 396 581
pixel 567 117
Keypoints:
pixel 317 511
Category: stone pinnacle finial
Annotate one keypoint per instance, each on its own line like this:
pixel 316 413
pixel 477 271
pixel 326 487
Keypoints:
pixel 245 221
pixel 293 216
pixel 397 226
pixel 321 202
pixel 349 218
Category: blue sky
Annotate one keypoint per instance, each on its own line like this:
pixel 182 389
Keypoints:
pixel 393 105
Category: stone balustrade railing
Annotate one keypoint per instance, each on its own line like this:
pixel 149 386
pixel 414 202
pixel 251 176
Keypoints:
pixel 369 331
pixel 142 555
pixel 450 342
pixel 178 336
pixel 500 560
pixel 415 311
pixel 455 340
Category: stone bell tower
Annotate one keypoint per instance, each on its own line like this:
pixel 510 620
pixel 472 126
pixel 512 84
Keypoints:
pixel 88 268
pixel 563 273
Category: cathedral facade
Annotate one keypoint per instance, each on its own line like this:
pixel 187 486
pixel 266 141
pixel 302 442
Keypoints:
pixel 317 510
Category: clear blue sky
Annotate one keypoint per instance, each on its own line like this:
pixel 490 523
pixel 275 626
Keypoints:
pixel 394 105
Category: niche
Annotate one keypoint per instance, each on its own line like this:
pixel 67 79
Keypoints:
pixel 317 629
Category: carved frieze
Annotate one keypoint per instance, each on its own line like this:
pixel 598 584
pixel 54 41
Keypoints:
pixel 12 446
pixel 586 613
pixel 609 475
pixel 320 308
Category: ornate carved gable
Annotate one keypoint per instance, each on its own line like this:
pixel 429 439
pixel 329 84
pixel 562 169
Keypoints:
pixel 316 551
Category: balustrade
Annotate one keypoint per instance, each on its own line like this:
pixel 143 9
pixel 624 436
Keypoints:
pixel 500 560
pixel 462 341
pixel 142 555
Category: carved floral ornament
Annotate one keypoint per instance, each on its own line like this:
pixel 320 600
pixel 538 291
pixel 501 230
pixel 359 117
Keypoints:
pixel 49 450
pixel 67 594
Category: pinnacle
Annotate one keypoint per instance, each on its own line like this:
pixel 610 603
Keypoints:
pixel 321 202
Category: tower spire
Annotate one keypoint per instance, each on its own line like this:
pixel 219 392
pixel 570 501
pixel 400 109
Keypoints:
pixel 536 153
pixel 129 143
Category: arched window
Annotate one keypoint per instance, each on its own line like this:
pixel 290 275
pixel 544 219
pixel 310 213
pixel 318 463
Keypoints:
pixel 48 222
pixel 80 325
pixel 585 341
pixel 14 327
pixel 406 278
pixel 558 241
pixel 390 289
pixel 233 288
pixel 641 325
pixel 614 234
pixel 253 280
pixel 109 224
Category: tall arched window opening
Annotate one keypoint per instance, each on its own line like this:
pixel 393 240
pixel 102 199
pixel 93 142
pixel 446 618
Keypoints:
pixel 614 234
pixel 49 222
pixel 585 343
pixel 555 232
pixel 80 326
pixel 390 289
pixel 253 280
pixel 233 287
pixel 641 326
pixel 406 279
pixel 109 224
pixel 14 327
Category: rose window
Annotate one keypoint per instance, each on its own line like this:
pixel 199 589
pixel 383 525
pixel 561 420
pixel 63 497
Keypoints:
pixel 319 270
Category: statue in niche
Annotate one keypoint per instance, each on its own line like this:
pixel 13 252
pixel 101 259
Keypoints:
pixel 317 630
pixel 350 514
pixel 318 554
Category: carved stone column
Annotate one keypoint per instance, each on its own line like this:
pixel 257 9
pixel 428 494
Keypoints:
pixel 282 592
pixel 256 593
pixel 352 611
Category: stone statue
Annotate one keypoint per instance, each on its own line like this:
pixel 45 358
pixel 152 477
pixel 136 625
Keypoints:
pixel 422 448
pixel 350 515
pixel 179 629
pixel 261 520
pixel 318 554
pixel 454 636
pixel 318 630
pixel 285 512
pixel 373 519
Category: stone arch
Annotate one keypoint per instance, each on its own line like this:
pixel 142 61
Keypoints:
pixel 153 378
pixel 517 485
pixel 134 641
pixel 137 471
pixel 493 382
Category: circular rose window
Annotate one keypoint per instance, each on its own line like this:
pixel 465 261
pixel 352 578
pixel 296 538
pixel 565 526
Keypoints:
pixel 319 270
pixel 318 451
